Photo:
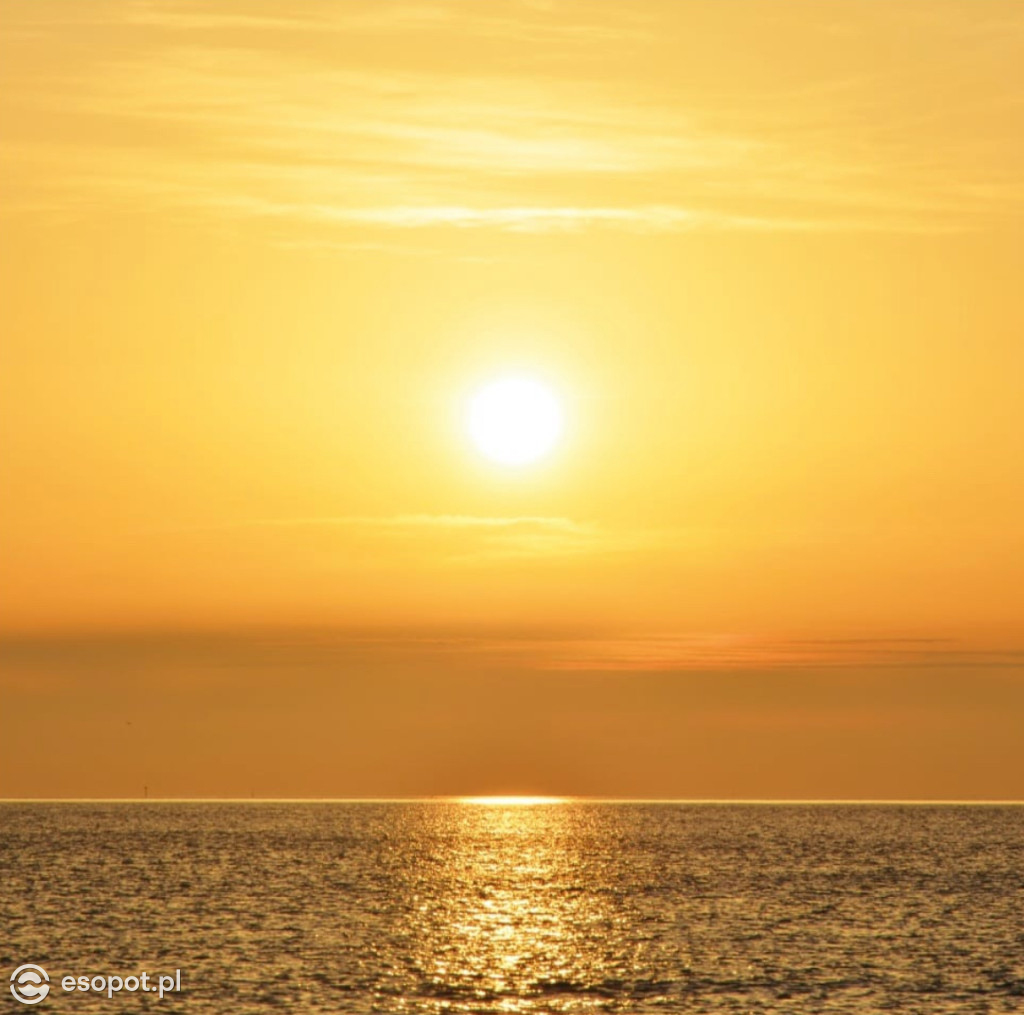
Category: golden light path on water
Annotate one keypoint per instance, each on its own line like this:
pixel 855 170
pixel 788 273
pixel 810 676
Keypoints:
pixel 515 925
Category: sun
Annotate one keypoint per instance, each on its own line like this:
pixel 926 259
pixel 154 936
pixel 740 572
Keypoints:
pixel 514 420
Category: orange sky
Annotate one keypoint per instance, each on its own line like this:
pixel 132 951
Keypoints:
pixel 254 259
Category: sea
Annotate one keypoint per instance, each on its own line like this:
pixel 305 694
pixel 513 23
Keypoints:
pixel 555 907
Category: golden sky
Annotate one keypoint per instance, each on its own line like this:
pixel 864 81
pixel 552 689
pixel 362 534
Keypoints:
pixel 256 256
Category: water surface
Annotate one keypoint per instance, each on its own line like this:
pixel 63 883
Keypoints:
pixel 572 907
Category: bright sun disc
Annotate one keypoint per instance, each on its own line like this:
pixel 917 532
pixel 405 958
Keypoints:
pixel 514 420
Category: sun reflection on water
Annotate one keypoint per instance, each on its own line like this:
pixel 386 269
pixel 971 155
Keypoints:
pixel 515 928
pixel 511 801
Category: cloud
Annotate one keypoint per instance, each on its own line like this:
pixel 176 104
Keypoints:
pixel 520 649
pixel 419 522
pixel 740 652
pixel 299 114
pixel 514 20
pixel 440 538
pixel 540 219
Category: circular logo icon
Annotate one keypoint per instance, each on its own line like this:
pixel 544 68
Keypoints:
pixel 30 983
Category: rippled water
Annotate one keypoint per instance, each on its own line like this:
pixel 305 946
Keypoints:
pixel 569 907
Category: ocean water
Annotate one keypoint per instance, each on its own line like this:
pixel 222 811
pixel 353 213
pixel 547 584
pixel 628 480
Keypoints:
pixel 570 907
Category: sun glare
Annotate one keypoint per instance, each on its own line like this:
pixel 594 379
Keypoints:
pixel 511 801
pixel 514 420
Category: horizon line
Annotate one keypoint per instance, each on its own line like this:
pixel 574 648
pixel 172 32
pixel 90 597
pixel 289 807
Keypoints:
pixel 526 799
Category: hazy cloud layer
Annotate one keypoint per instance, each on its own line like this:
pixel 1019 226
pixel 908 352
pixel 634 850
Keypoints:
pixel 364 713
pixel 436 116
pixel 448 537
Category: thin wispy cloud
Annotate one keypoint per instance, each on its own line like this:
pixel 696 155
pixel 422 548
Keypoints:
pixel 517 20
pixel 541 651
pixel 414 521
pixel 439 538
pixel 588 652
pixel 540 219
pixel 225 110
pixel 669 653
